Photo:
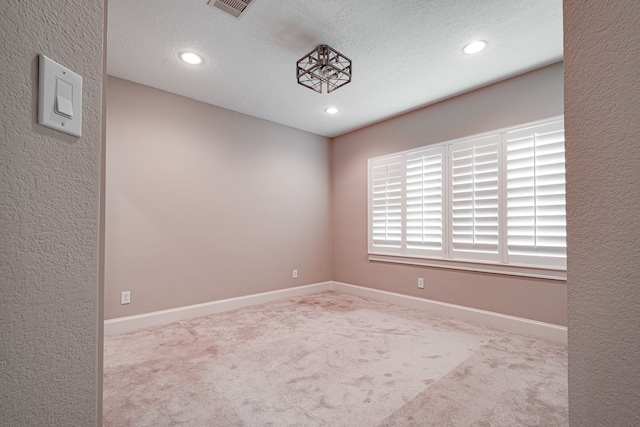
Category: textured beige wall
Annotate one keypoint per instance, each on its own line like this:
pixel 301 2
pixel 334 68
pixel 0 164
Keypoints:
pixel 205 203
pixel 602 111
pixel 49 216
pixel 529 97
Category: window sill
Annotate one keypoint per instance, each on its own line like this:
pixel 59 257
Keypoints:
pixel 511 270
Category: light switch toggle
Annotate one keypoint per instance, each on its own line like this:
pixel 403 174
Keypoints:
pixel 64 99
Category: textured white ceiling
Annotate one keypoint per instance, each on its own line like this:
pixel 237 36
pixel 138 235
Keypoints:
pixel 406 54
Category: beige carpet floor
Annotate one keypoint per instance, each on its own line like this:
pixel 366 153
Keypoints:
pixel 332 359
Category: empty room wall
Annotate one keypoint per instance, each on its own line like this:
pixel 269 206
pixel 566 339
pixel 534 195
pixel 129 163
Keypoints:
pixel 532 96
pixel 204 203
pixel 50 343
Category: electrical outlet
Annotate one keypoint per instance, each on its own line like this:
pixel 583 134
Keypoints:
pixel 295 274
pixel 125 297
pixel 420 283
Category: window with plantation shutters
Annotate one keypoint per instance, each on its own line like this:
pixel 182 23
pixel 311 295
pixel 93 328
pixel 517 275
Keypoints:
pixel 496 199
pixel 475 228
pixel 536 214
pixel 423 198
pixel 386 177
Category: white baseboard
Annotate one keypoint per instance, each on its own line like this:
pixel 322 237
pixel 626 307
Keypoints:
pixel 501 321
pixel 132 323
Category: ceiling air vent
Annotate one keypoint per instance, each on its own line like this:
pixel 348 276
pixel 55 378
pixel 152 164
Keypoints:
pixel 234 8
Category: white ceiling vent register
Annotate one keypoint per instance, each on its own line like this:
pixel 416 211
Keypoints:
pixel 235 8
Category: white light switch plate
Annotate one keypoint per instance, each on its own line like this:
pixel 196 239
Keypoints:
pixel 60 98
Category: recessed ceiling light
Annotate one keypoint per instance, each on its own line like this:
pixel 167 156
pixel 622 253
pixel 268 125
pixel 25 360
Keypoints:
pixel 191 58
pixel 475 47
pixel 331 110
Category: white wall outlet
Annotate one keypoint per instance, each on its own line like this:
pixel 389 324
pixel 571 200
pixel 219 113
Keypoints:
pixel 420 283
pixel 295 274
pixel 125 297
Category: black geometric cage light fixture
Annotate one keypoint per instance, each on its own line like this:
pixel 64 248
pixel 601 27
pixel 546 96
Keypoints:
pixel 324 66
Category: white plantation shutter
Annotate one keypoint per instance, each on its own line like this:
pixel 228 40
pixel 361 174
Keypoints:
pixel 496 199
pixel 423 202
pixel 536 214
pixel 386 179
pixel 474 199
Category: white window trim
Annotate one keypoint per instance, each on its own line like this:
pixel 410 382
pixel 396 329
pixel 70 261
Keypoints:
pixel 481 267
pixel 495 267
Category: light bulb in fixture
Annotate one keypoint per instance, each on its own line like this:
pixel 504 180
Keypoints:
pixel 191 58
pixel 475 47
pixel 331 110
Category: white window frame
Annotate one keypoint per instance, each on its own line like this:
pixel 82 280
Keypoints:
pixel 449 256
